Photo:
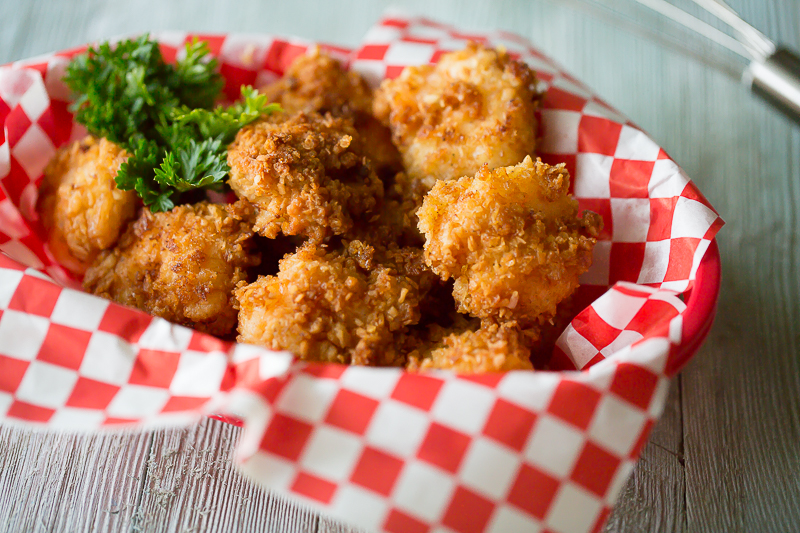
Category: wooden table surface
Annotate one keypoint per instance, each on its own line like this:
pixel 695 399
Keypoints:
pixel 726 454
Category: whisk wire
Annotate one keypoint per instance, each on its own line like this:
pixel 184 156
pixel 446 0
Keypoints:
pixel 760 46
pixel 773 72
pixel 691 22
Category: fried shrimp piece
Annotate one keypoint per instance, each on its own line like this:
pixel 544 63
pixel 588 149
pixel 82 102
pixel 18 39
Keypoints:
pixel 511 238
pixel 474 107
pixel 80 204
pixel 306 175
pixel 316 82
pixel 404 198
pixel 396 221
pixel 491 348
pixel 323 305
pixel 407 261
pixel 181 265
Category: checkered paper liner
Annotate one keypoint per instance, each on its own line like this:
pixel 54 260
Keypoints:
pixel 379 447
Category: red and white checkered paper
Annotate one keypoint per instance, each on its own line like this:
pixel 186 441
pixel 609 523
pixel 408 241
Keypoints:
pixel 378 447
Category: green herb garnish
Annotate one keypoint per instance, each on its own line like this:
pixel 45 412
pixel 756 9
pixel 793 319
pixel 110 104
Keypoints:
pixel 161 114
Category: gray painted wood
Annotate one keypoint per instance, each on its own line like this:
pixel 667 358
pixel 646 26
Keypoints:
pixel 726 454
pixel 60 482
pixel 190 485
pixel 653 498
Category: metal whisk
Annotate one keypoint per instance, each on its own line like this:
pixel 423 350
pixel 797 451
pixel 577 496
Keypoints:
pixel 773 71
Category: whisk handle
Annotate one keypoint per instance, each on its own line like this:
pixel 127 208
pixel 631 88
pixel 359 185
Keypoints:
pixel 777 80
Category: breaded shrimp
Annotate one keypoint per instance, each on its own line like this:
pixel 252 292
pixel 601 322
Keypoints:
pixel 306 175
pixel 80 204
pixel 407 261
pixel 491 348
pixel 474 107
pixel 324 305
pixel 404 198
pixel 396 221
pixel 316 82
pixel 181 265
pixel 511 238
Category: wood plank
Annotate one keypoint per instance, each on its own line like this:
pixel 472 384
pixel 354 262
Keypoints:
pixel 740 395
pixel 653 498
pixel 68 482
pixel 741 412
pixel 330 525
pixel 190 484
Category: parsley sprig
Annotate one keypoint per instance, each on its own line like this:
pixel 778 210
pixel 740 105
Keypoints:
pixel 162 114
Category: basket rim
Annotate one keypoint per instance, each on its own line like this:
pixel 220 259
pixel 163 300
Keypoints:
pixel 701 308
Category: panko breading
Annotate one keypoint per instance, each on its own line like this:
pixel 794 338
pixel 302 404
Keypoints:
pixel 407 261
pixel 396 222
pixel 378 145
pixel 323 305
pixel 306 175
pixel 404 198
pixel 406 227
pixel 490 348
pixel 316 82
pixel 181 265
pixel 80 204
pixel 511 238
pixel 473 107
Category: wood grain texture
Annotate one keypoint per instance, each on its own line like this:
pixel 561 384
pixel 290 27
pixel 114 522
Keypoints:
pixel 191 485
pixel 653 498
pixel 740 397
pixel 726 454
pixel 61 482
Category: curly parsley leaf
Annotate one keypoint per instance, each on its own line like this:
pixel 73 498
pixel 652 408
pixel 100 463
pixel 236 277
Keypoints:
pixel 136 174
pixel 198 83
pixel 122 91
pixel 197 140
pixel 197 165
pixel 161 114
pixel 224 122
pixel 145 155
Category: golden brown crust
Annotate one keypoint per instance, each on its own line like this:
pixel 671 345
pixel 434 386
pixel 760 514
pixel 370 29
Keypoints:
pixel 331 305
pixel 511 238
pixel 474 107
pixel 378 145
pixel 464 348
pixel 407 261
pixel 305 174
pixel 80 204
pixel 316 82
pixel 395 223
pixel 505 246
pixel 181 265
